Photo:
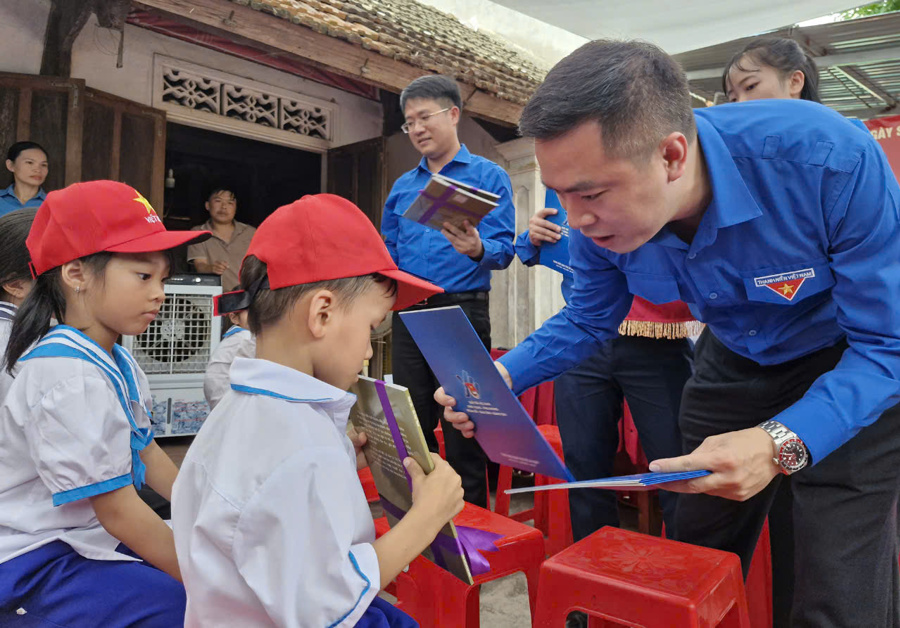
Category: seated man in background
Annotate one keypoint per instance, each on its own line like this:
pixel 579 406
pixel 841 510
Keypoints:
pixel 223 252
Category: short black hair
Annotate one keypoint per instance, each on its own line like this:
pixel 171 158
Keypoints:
pixel 268 306
pixel 437 87
pixel 784 55
pixel 635 92
pixel 221 189
pixel 19 147
pixel 14 257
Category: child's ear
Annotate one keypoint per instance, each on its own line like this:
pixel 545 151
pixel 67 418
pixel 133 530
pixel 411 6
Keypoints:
pixel 17 288
pixel 74 275
pixel 321 312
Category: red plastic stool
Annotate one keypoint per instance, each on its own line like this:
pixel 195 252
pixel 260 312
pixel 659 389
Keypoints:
pixel 551 508
pixel 436 598
pixel 639 580
pixel 368 484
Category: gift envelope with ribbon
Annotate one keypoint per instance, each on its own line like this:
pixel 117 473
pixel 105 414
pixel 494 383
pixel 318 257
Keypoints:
pixel 448 200
pixel 386 414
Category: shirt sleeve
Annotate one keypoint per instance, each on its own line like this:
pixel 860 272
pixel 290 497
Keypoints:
pixel 497 229
pixel 390 225
pixel 864 237
pixel 294 544
pixel 80 439
pixel 598 303
pixel 525 250
pixel 197 251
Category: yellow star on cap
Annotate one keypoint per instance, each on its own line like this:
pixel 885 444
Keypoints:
pixel 143 201
pixel 787 289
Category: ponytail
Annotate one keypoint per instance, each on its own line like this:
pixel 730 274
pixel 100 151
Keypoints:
pixel 45 302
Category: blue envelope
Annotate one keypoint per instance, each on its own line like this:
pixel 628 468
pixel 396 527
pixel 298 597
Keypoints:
pixel 555 255
pixel 464 368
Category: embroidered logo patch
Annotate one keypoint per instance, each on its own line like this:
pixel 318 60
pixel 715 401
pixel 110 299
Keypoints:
pixel 785 285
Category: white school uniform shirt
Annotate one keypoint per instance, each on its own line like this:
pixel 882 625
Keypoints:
pixel 272 527
pixel 236 343
pixel 64 437
pixel 7 314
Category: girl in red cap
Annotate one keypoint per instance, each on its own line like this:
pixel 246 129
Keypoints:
pixel 75 435
pixel 271 524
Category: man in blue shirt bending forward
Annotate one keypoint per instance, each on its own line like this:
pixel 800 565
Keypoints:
pixel 458 261
pixel 778 222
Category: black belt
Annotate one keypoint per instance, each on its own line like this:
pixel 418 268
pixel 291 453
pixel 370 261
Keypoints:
pixel 455 298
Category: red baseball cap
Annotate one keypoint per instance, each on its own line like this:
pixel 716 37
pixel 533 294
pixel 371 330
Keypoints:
pixel 319 238
pixel 98 216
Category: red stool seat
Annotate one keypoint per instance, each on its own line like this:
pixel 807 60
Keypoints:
pixel 436 598
pixel 368 484
pixel 639 580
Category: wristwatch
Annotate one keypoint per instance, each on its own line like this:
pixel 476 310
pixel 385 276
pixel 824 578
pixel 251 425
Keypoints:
pixel 792 454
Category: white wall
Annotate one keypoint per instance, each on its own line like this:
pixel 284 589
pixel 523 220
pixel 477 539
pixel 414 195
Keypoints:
pixel 94 55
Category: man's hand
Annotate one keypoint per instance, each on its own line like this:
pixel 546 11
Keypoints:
pixel 742 464
pixel 541 230
pixel 220 267
pixel 466 240
pixel 460 420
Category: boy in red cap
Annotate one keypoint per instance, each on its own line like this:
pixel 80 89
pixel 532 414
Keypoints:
pixel 75 437
pixel 271 523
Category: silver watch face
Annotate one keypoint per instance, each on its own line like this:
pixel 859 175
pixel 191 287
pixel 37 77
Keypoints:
pixel 792 456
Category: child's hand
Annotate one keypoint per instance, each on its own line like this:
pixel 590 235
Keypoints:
pixel 359 439
pixel 438 495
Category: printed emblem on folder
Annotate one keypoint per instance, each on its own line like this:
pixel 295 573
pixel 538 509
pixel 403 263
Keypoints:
pixel 471 386
pixel 785 285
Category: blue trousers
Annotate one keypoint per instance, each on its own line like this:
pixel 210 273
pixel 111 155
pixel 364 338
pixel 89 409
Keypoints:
pixel 58 588
pixel 650 374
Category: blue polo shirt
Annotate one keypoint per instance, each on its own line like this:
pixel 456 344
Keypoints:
pixel 426 253
pixel 799 248
pixel 9 202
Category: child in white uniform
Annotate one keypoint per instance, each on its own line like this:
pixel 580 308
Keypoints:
pixel 15 277
pixel 75 435
pixel 271 524
pixel 237 342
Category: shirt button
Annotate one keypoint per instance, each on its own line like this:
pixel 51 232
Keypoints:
pixel 713 295
pixel 692 255
pixel 752 332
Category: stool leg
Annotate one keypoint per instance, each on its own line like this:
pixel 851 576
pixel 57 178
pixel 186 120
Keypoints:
pixel 504 482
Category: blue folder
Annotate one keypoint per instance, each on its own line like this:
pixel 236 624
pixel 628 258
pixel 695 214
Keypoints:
pixel 555 255
pixel 464 368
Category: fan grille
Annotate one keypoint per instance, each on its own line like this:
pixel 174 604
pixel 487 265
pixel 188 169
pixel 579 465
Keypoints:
pixel 178 340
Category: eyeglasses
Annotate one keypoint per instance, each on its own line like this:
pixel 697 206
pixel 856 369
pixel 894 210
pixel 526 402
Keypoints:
pixel 406 126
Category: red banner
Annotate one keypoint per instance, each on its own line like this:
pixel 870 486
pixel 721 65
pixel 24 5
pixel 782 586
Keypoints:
pixel 887 132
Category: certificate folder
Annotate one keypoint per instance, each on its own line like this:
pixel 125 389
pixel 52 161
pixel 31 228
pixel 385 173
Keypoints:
pixel 639 482
pixel 555 255
pixel 447 200
pixel 463 366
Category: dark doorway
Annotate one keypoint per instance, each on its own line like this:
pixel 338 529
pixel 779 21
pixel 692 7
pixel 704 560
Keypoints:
pixel 263 176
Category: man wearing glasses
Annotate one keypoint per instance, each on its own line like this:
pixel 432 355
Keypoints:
pixel 459 261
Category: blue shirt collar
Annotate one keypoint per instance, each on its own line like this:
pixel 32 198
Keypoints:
pixel 262 377
pixel 11 191
pixel 463 156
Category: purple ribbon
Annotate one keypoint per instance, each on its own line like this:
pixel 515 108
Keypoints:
pixel 470 541
pixel 442 201
pixel 393 426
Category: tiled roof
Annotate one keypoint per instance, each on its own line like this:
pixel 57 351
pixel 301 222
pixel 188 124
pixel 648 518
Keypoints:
pixel 419 35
